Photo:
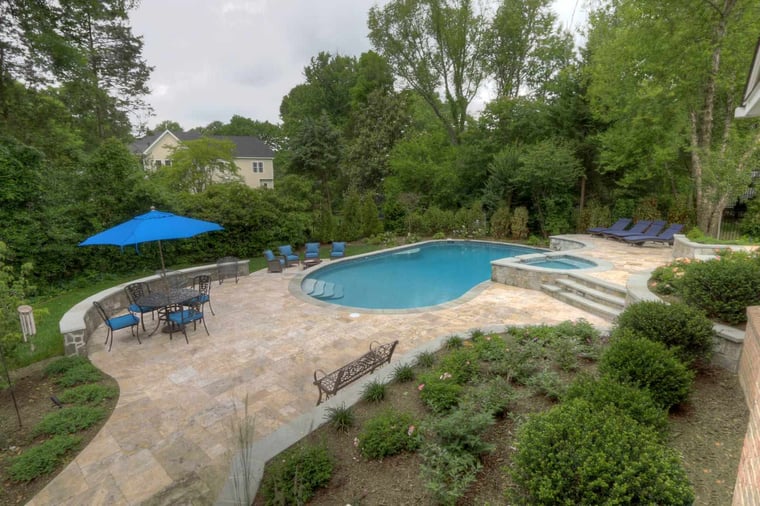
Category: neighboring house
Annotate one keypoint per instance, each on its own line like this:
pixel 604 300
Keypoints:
pixel 253 157
pixel 750 107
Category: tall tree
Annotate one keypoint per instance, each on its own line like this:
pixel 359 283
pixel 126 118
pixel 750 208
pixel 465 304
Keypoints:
pixel 198 163
pixel 437 48
pixel 526 47
pixel 267 132
pixel 666 77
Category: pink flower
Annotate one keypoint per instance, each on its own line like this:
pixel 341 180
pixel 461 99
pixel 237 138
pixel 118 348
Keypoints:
pixel 410 431
pixel 421 386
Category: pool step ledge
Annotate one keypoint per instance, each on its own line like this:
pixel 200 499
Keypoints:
pixel 600 298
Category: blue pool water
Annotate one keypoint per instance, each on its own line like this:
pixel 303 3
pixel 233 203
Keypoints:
pixel 561 262
pixel 419 276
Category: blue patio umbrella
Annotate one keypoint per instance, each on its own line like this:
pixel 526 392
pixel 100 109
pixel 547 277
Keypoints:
pixel 151 226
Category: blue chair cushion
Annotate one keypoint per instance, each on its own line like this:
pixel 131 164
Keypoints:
pixel 122 322
pixel 312 250
pixel 338 249
pixel 184 316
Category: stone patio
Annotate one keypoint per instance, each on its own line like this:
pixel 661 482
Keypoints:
pixel 170 440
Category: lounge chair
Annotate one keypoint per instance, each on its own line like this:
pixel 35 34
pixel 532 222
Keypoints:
pixel 655 228
pixel 290 257
pixel 274 264
pixel 665 237
pixel 312 251
pixel 338 250
pixel 638 228
pixel 619 225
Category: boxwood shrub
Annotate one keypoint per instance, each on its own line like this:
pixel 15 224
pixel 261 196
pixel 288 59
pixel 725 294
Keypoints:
pixel 724 287
pixel 439 392
pixel 633 401
pixel 684 328
pixel 577 453
pixel 388 433
pixel 294 476
pixel 649 365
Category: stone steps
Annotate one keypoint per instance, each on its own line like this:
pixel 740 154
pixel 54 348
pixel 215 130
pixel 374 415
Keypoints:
pixel 598 297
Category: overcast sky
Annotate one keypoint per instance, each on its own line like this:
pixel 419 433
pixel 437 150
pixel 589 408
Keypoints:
pixel 217 58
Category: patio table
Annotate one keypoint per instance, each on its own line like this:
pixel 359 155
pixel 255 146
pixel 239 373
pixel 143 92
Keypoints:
pixel 165 298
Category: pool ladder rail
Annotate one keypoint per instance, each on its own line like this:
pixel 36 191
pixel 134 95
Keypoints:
pixel 323 290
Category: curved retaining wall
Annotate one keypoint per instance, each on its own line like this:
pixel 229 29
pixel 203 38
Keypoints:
pixel 684 248
pixel 81 320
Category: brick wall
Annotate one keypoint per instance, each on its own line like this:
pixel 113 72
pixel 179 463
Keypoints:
pixel 747 488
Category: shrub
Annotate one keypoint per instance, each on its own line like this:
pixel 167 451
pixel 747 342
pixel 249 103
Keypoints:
pixel 518 223
pixel 294 476
pixel 564 352
pixel 492 396
pixel 60 366
pixel 460 430
pixel 677 326
pixel 374 391
pixel 425 359
pixel 666 279
pixel 403 373
pixel 42 459
pixel 649 365
pixel 388 433
pixel 461 364
pixel 521 362
pixel 723 288
pixel 92 394
pixel 448 473
pixel 340 418
pixel 438 392
pixel 576 453
pixel 453 343
pixel 77 375
pixel 547 383
pixel 500 223
pixel 69 420
pixel 490 348
pixel 633 401
pixel 586 336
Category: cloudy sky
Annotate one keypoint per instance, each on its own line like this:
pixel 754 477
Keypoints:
pixel 217 58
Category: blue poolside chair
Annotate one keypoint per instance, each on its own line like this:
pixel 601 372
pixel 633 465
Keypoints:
pixel 338 250
pixel 312 250
pixel 654 228
pixel 291 258
pixel 114 323
pixel 664 237
pixel 179 316
pixel 619 225
pixel 640 227
pixel 274 264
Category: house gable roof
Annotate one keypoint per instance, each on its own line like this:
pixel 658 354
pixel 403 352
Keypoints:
pixel 750 107
pixel 245 146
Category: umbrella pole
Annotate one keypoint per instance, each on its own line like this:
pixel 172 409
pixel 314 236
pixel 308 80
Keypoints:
pixel 161 254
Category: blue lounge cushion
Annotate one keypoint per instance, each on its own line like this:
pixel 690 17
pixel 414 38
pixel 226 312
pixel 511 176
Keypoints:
pixel 312 250
pixel 338 249
pixel 287 252
pixel 618 225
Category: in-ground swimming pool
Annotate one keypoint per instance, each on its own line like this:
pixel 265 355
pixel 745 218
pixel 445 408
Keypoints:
pixel 561 262
pixel 423 275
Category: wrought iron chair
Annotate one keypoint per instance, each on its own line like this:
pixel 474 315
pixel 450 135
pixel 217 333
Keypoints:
pixel 202 283
pixel 135 291
pixel 227 267
pixel 114 323
pixel 179 316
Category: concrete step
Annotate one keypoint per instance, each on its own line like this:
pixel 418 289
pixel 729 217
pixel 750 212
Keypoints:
pixel 592 293
pixel 601 310
pixel 599 284
pixel 322 289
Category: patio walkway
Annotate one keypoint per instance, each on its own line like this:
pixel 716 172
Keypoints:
pixel 169 439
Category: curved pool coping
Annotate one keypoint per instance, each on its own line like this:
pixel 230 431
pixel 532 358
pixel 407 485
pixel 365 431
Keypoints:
pixel 295 284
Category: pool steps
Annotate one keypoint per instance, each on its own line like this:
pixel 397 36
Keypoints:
pixel 604 299
pixel 322 289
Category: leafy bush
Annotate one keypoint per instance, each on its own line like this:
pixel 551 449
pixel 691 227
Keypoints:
pixel 83 373
pixel 453 343
pixel 69 420
pixel 425 359
pixel 547 383
pixel 92 394
pixel 374 391
pixel 577 453
pixel 461 364
pixel 521 362
pixel 388 433
pixel 340 418
pixel 403 373
pixel 518 223
pixel 685 329
pixel 564 352
pixel 42 459
pixel 724 287
pixel 492 396
pixel 666 279
pixel 294 476
pixel 460 430
pixel 60 366
pixel 490 348
pixel 439 392
pixel 649 365
pixel 500 221
pixel 633 401
pixel 585 336
pixel 447 472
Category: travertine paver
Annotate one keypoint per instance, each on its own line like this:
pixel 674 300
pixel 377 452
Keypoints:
pixel 170 436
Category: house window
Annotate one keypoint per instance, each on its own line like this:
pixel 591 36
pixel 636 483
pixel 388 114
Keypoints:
pixel 258 167
pixel 167 163
pixel 265 183
pixel 156 163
